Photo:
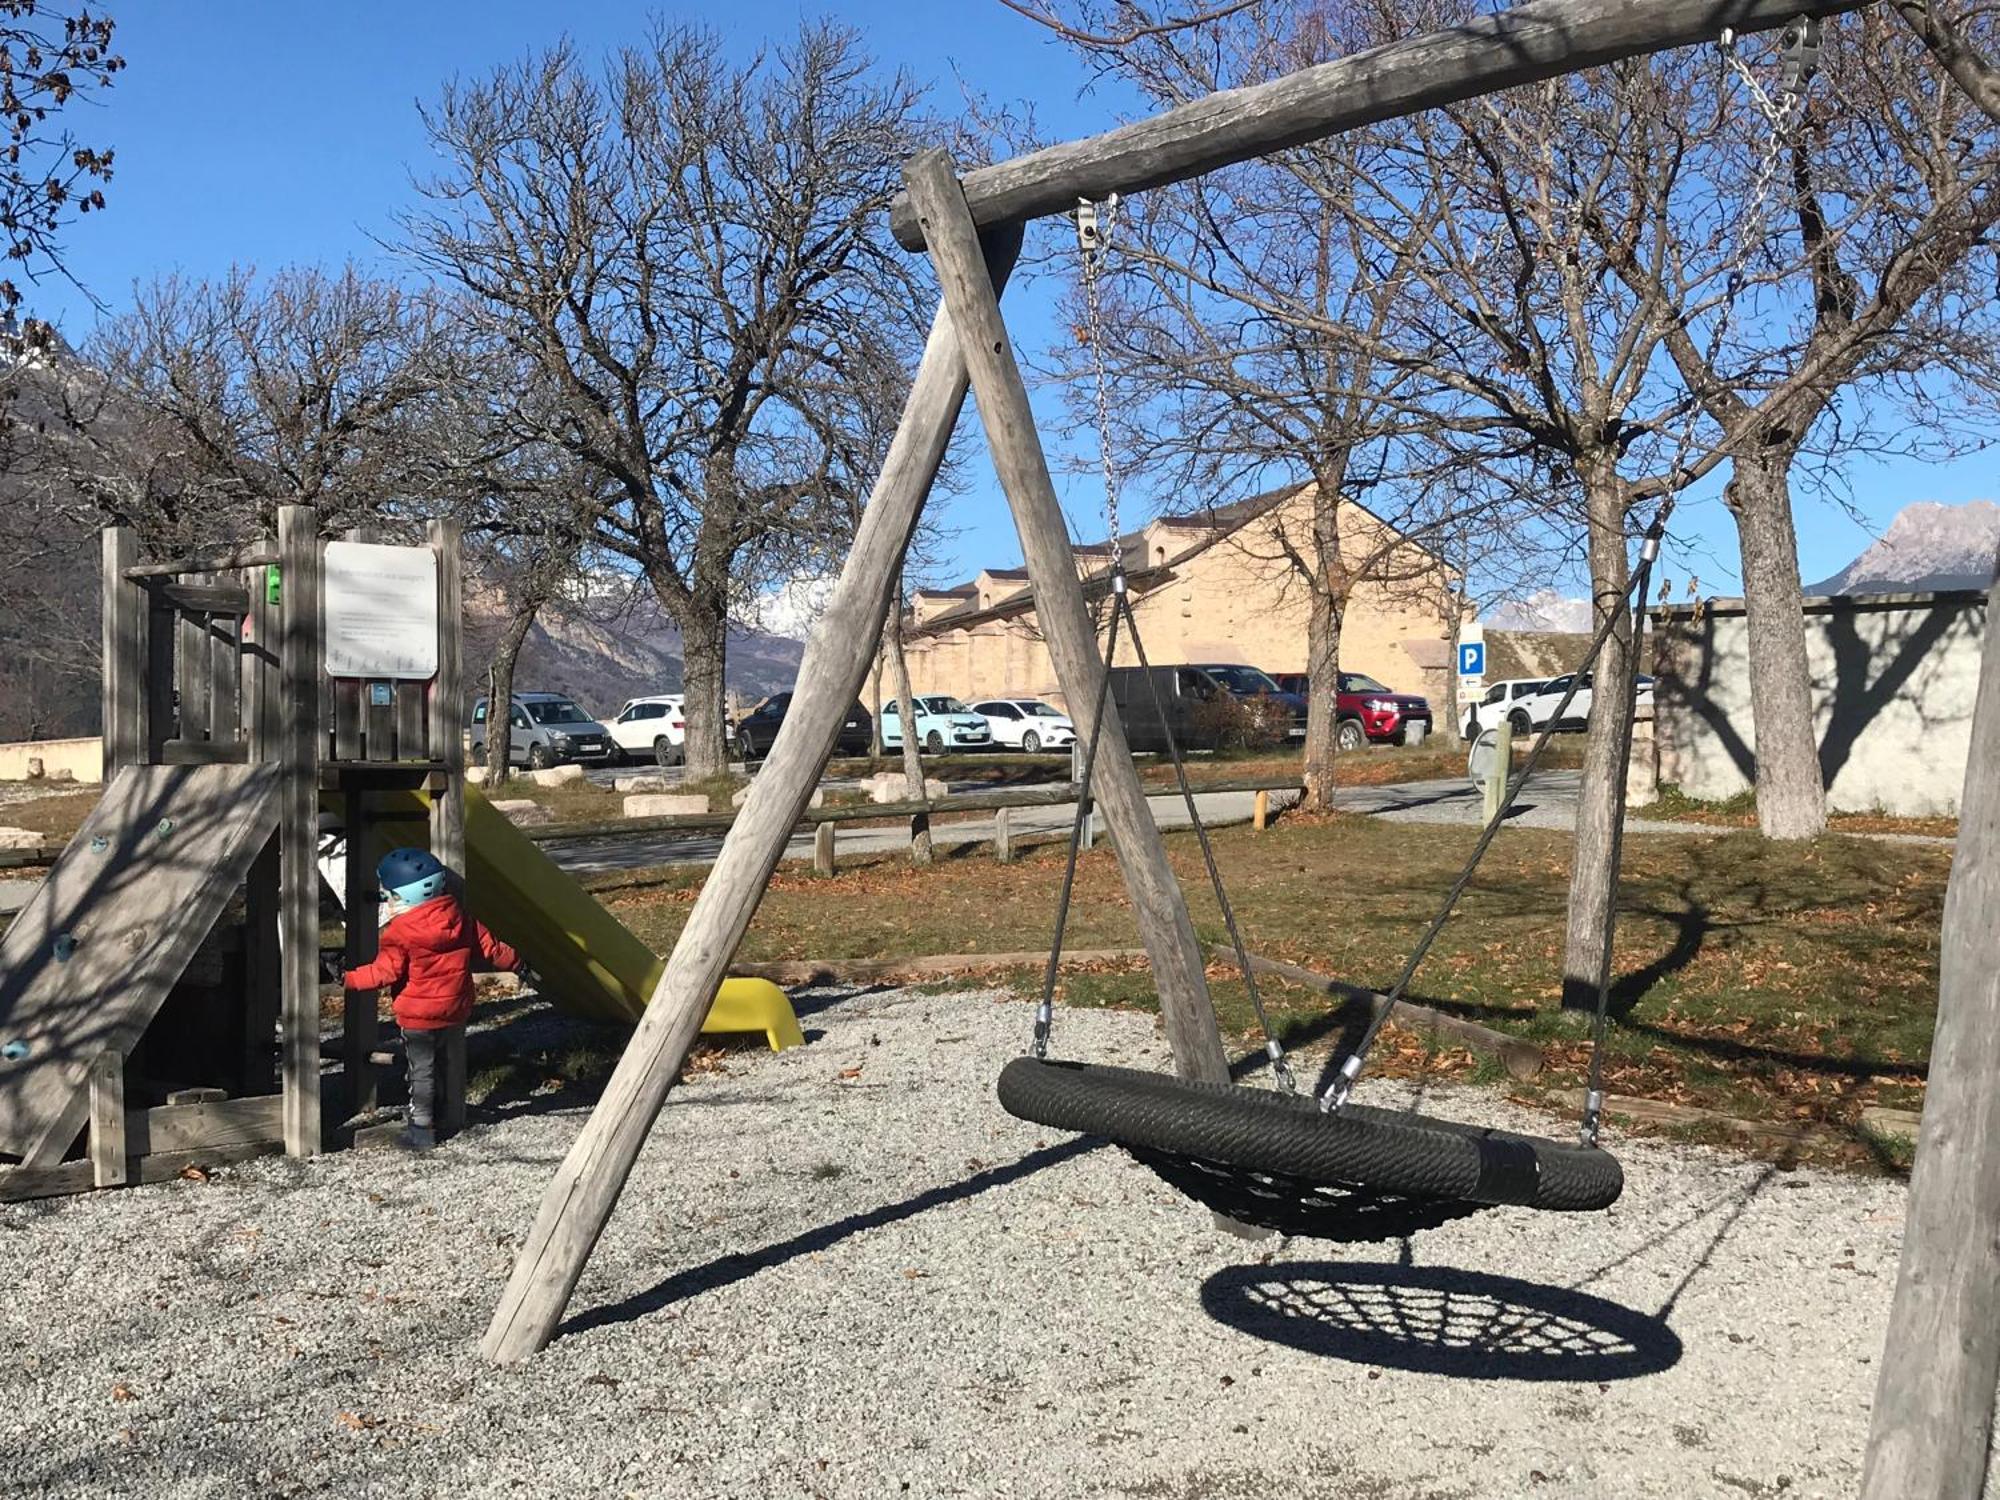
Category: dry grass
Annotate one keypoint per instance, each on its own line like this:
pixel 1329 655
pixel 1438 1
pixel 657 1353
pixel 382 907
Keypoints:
pixel 1764 980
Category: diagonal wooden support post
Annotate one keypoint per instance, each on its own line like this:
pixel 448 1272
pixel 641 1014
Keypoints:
pixel 1063 616
pixel 1934 1400
pixel 586 1187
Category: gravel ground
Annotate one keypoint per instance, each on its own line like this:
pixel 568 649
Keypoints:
pixel 842 1271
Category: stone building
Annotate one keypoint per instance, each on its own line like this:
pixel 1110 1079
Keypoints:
pixel 1215 585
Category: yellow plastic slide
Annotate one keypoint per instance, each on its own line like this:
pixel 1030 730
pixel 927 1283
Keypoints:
pixel 589 962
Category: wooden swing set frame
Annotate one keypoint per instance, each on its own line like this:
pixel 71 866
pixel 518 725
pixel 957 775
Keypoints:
pixel 972 228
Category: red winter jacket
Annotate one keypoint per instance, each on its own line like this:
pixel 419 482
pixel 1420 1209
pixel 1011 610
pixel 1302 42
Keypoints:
pixel 426 957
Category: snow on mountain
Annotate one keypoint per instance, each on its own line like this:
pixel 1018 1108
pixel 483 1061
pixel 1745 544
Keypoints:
pixel 1928 546
pixel 1544 610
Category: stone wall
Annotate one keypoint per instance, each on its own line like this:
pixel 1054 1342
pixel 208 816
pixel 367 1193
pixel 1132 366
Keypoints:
pixel 1894 678
pixel 83 759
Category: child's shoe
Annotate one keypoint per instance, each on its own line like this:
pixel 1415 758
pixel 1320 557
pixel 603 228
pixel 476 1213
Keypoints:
pixel 418 1138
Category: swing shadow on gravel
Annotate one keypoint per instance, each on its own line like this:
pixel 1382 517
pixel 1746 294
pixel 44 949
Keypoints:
pixel 1437 1320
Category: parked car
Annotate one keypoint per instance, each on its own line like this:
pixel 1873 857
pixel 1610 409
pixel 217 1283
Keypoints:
pixel 1027 723
pixel 1246 684
pixel 756 730
pixel 547 729
pixel 1533 712
pixel 1493 703
pixel 1365 712
pixel 655 729
pixel 943 723
pixel 1183 694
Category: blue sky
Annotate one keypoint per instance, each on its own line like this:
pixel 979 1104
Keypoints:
pixel 271 134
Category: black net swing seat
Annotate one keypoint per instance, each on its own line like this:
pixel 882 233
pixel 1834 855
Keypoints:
pixel 1281 1162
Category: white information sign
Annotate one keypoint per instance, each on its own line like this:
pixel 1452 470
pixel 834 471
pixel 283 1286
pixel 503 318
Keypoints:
pixel 1471 661
pixel 381 611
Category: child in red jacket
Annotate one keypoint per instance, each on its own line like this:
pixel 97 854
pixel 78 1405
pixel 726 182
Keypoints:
pixel 427 954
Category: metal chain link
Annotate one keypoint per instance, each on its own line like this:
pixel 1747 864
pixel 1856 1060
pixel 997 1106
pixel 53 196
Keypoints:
pixel 1799 51
pixel 1094 223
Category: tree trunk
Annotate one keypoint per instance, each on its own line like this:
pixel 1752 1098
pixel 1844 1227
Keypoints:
pixel 875 708
pixel 1329 586
pixel 1791 796
pixel 906 715
pixel 1600 806
pixel 1452 715
pixel 704 626
pixel 1322 699
pixel 500 691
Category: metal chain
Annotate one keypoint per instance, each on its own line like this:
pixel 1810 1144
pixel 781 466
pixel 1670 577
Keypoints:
pixel 1094 222
pixel 1799 50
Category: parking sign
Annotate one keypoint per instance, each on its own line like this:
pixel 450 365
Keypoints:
pixel 1472 658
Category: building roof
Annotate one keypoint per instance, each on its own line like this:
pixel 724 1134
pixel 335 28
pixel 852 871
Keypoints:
pixel 1213 522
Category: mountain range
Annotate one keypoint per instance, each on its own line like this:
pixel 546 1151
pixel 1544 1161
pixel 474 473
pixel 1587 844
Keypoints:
pixel 601 657
pixel 1927 547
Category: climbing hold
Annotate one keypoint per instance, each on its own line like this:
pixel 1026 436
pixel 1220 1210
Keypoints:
pixel 15 1050
pixel 65 946
pixel 99 843
pixel 164 827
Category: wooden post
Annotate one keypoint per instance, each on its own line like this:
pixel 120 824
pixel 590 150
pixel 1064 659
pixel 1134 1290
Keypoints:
pixel 124 644
pixel 1482 55
pixel 298 823
pixel 823 836
pixel 585 1188
pixel 447 744
pixel 1003 836
pixel 1063 617
pixel 1501 771
pixel 361 1024
pixel 447 741
pixel 1260 810
pixel 262 698
pixel 108 1160
pixel 1934 1398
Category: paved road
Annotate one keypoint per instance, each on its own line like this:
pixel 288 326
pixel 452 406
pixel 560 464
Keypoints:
pixel 1548 802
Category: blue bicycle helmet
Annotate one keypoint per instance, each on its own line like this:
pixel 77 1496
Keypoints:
pixel 411 875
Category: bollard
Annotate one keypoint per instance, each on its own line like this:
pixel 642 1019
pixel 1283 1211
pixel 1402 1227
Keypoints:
pixel 1260 812
pixel 823 849
pixel 1003 836
pixel 1502 768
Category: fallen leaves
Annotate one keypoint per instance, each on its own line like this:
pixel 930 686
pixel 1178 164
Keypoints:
pixel 123 1392
pixel 356 1422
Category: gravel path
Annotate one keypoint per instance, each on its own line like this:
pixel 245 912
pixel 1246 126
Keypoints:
pixel 842 1271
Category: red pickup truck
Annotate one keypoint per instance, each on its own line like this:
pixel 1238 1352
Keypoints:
pixel 1367 712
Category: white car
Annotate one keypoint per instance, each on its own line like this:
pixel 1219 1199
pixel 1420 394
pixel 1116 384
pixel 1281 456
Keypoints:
pixel 655 729
pixel 1533 712
pixel 1026 724
pixel 943 723
pixel 1494 702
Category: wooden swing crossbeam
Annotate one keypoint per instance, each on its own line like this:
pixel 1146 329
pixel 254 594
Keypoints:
pixel 978 223
pixel 1527 44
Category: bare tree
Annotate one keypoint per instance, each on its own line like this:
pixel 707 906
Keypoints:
pixel 1252 328
pixel 1865 280
pixel 210 403
pixel 1963 45
pixel 51 58
pixel 694 256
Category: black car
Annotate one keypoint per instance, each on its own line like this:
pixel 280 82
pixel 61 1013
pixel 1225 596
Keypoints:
pixel 756 730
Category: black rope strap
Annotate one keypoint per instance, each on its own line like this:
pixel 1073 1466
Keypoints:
pixel 1045 1012
pixel 1280 1068
pixel 1343 1082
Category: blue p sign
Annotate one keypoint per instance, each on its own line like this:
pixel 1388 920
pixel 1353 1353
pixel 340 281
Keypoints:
pixel 1472 658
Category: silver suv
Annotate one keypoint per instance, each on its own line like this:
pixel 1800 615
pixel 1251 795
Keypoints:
pixel 547 729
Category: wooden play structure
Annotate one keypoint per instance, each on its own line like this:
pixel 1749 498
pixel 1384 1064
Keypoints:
pixel 972 229
pixel 160 995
